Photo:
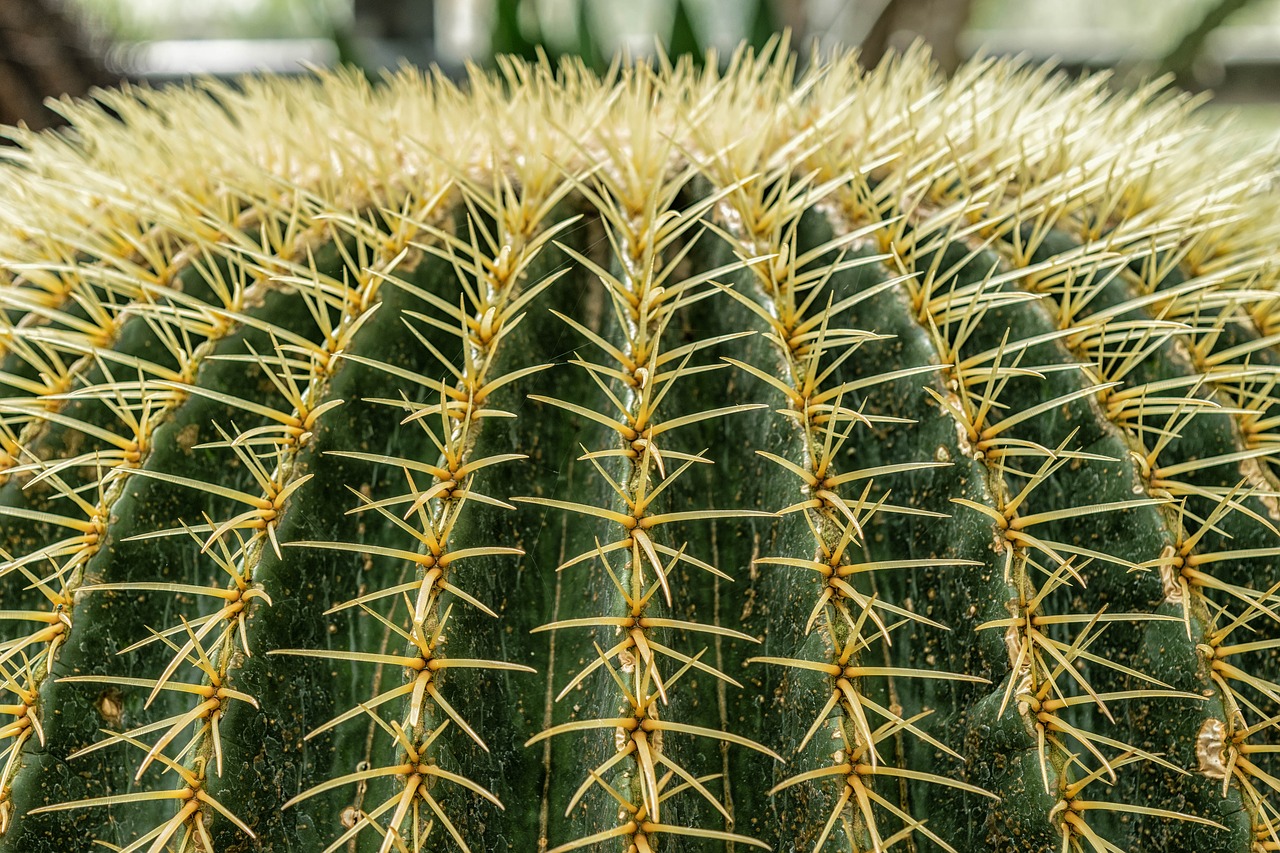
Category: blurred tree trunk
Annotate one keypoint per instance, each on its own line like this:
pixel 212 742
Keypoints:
pixel 1180 61
pixel 937 22
pixel 44 53
pixel 792 15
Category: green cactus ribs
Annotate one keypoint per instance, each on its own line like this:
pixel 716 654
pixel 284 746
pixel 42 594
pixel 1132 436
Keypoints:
pixel 560 463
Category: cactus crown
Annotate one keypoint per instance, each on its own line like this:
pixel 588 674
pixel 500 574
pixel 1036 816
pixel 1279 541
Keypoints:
pixel 676 460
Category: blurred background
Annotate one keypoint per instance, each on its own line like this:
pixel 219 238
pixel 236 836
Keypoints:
pixel 53 47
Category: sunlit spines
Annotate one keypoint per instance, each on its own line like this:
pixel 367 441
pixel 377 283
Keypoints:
pixel 298 371
pixel 1054 729
pixel 96 299
pixel 648 235
pixel 1176 382
pixel 1124 193
pixel 762 219
pixel 188 825
pixel 259 520
pixel 18 725
pixel 488 252
pixel 973 411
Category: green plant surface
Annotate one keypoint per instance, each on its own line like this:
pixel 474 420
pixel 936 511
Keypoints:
pixel 688 459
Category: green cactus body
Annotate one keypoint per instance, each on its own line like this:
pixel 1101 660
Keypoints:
pixel 685 460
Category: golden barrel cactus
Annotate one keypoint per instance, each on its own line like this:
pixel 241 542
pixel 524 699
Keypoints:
pixel 681 460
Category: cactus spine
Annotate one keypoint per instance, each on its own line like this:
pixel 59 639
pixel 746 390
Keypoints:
pixel 851 460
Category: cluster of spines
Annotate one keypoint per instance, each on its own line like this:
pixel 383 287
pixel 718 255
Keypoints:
pixel 1205 494
pixel 952 314
pixel 191 329
pixel 1109 349
pixel 1186 320
pixel 797 305
pixel 138 407
pixel 508 223
pixel 491 267
pixel 636 192
pixel 788 291
pixel 134 282
pixel 207 645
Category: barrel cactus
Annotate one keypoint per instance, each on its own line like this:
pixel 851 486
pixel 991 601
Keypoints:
pixel 688 459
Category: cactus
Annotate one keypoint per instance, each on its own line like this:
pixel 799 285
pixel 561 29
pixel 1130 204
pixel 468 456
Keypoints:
pixel 688 459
